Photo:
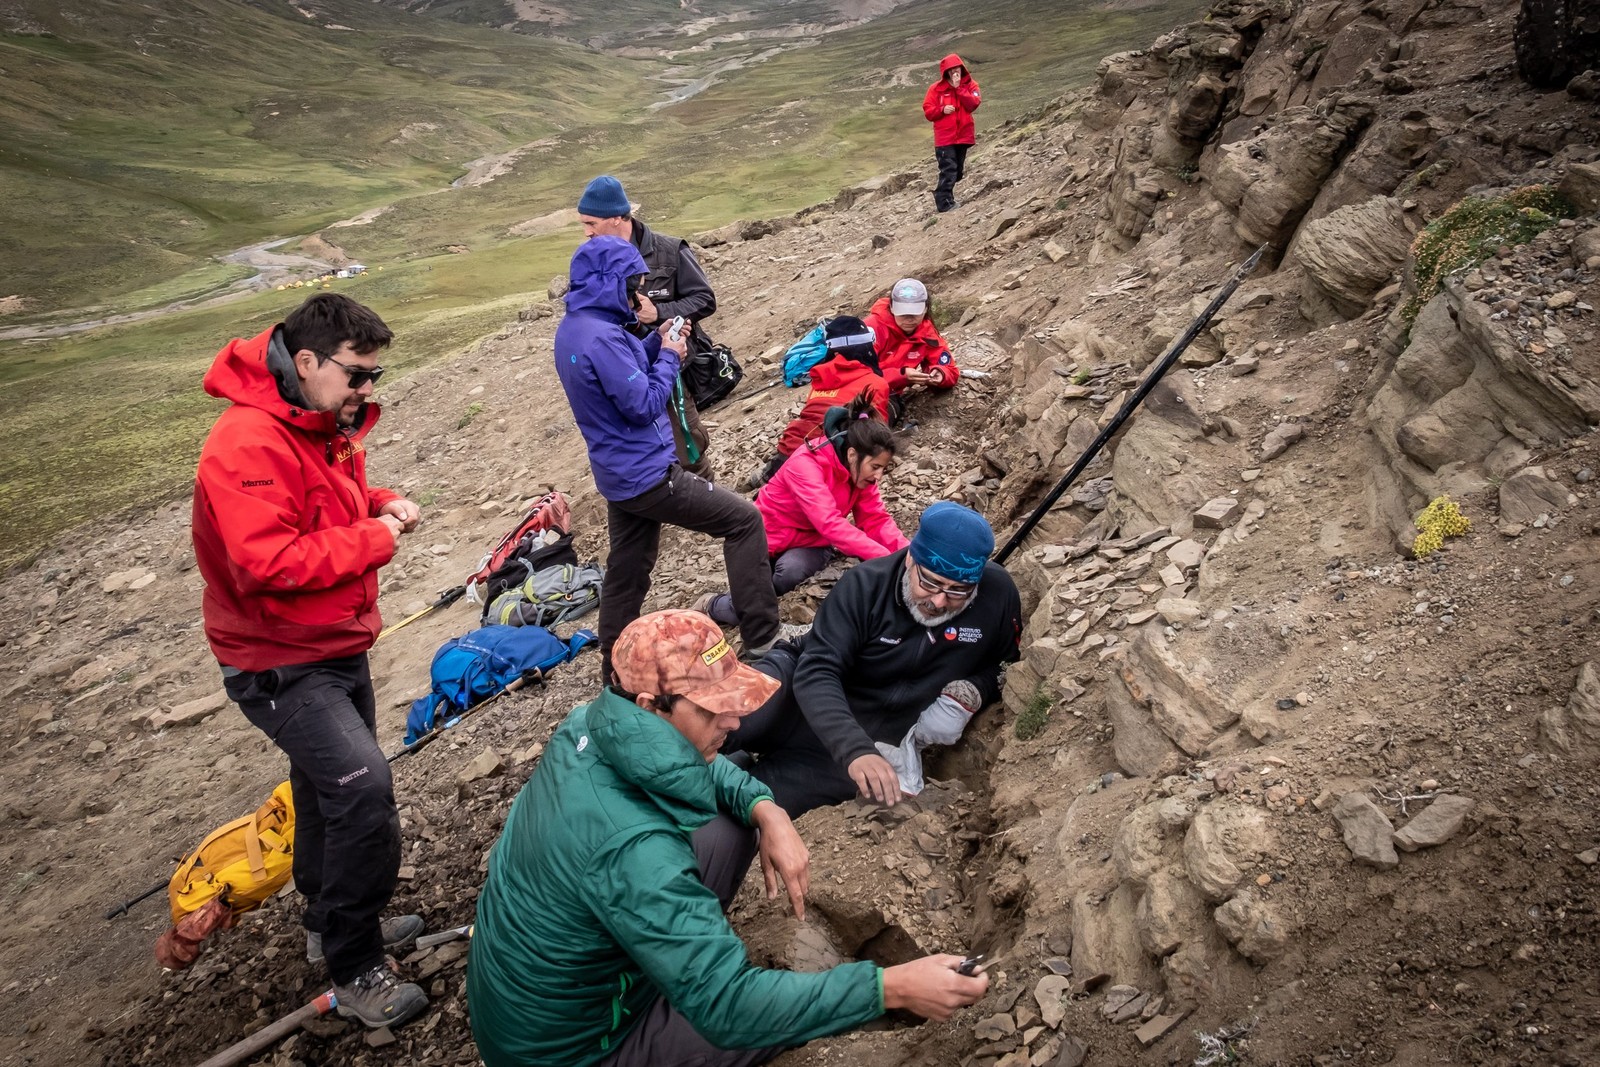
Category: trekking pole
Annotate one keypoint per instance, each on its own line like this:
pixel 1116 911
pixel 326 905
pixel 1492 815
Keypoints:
pixel 440 727
pixel 122 909
pixel 446 598
pixel 272 1033
pixel 1162 366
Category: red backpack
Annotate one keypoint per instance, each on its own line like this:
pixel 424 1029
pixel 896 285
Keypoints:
pixel 548 521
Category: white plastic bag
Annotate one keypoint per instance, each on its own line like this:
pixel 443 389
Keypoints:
pixel 941 723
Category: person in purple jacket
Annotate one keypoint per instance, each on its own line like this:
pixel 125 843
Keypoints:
pixel 619 387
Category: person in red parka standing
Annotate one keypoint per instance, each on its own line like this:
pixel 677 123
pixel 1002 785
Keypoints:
pixel 289 539
pixel 949 105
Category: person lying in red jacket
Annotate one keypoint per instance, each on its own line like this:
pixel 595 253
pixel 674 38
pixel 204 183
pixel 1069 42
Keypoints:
pixel 850 370
pixel 910 350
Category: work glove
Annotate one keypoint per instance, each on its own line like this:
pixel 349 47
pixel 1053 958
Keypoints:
pixel 941 723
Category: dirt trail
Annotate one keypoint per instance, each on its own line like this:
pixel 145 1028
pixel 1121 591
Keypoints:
pixel 272 269
pixel 1237 683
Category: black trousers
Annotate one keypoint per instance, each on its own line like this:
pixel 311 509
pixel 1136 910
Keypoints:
pixel 790 758
pixel 686 500
pixel 952 161
pixel 723 850
pixel 346 826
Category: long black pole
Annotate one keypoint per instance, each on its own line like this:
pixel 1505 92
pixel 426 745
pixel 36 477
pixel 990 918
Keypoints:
pixel 1162 366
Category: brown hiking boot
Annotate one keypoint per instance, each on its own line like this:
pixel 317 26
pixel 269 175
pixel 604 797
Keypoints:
pixel 378 998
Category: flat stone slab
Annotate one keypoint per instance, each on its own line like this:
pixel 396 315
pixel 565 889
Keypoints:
pixel 1158 1028
pixel 1216 514
pixel 1435 824
pixel 1368 833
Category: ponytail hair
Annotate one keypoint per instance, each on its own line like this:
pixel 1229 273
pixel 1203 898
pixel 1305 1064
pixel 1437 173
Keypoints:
pixel 864 429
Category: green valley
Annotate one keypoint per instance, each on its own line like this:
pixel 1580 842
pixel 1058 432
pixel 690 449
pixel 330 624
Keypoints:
pixel 151 141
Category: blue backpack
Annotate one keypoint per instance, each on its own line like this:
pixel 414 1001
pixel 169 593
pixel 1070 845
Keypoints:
pixel 805 354
pixel 468 670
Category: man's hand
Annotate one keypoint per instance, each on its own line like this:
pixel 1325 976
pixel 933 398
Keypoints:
pixel 393 525
pixel 783 855
pixel 404 510
pixel 680 346
pixel 876 779
pixel 918 376
pixel 647 310
pixel 949 108
pixel 931 987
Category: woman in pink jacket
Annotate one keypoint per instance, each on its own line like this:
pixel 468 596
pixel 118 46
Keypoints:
pixel 824 499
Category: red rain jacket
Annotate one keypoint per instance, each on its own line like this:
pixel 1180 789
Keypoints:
pixel 285 528
pixel 925 349
pixel 807 501
pixel 833 384
pixel 956 127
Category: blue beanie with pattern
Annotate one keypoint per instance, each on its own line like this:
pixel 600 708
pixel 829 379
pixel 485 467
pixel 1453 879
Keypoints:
pixel 603 198
pixel 953 542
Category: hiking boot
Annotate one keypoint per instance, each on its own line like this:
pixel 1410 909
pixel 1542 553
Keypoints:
pixel 378 998
pixel 399 931
pixel 703 605
pixel 787 631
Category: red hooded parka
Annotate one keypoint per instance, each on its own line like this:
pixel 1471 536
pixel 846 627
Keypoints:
pixel 834 383
pixel 286 533
pixel 924 349
pixel 956 127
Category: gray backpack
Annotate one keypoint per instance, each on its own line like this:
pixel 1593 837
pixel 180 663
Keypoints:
pixel 547 596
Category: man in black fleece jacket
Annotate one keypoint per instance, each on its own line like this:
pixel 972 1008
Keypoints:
pixel 904 641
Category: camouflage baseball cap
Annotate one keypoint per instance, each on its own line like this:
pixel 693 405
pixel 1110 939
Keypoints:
pixel 683 653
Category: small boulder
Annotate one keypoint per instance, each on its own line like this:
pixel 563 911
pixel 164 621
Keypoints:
pixel 1051 993
pixel 485 764
pixel 1251 925
pixel 1575 728
pixel 995 1027
pixel 1187 554
pixel 1221 842
pixel 1282 436
pixel 1435 824
pixel 1177 611
pixel 1368 833
pixel 1216 514
pixel 1530 493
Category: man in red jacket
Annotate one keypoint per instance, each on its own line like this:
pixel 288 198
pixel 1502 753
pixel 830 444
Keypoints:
pixel 289 539
pixel 949 105
pixel 911 351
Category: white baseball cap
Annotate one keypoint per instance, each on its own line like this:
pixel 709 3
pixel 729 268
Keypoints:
pixel 908 297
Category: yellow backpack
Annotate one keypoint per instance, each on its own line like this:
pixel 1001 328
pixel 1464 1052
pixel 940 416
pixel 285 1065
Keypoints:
pixel 246 860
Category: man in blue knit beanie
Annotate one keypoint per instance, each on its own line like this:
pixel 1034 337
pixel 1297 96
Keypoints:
pixel 903 652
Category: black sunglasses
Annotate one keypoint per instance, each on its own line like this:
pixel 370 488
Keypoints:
pixel 359 376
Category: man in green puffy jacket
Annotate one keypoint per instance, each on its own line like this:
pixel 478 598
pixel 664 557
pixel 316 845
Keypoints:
pixel 600 933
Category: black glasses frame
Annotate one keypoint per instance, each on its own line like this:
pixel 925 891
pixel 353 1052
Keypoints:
pixel 946 591
pixel 359 376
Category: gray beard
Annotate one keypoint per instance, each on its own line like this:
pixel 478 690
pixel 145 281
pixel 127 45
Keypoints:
pixel 920 617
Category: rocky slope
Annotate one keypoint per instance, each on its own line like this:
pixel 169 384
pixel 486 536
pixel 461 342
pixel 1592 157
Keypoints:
pixel 1263 785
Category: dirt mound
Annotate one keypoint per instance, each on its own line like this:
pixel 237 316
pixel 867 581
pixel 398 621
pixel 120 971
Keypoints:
pixel 1264 784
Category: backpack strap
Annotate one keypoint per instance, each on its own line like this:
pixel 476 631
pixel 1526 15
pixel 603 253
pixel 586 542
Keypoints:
pixel 252 850
pixel 689 447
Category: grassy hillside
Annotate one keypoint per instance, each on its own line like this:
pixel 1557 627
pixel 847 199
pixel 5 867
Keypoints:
pixel 141 139
pixel 98 421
